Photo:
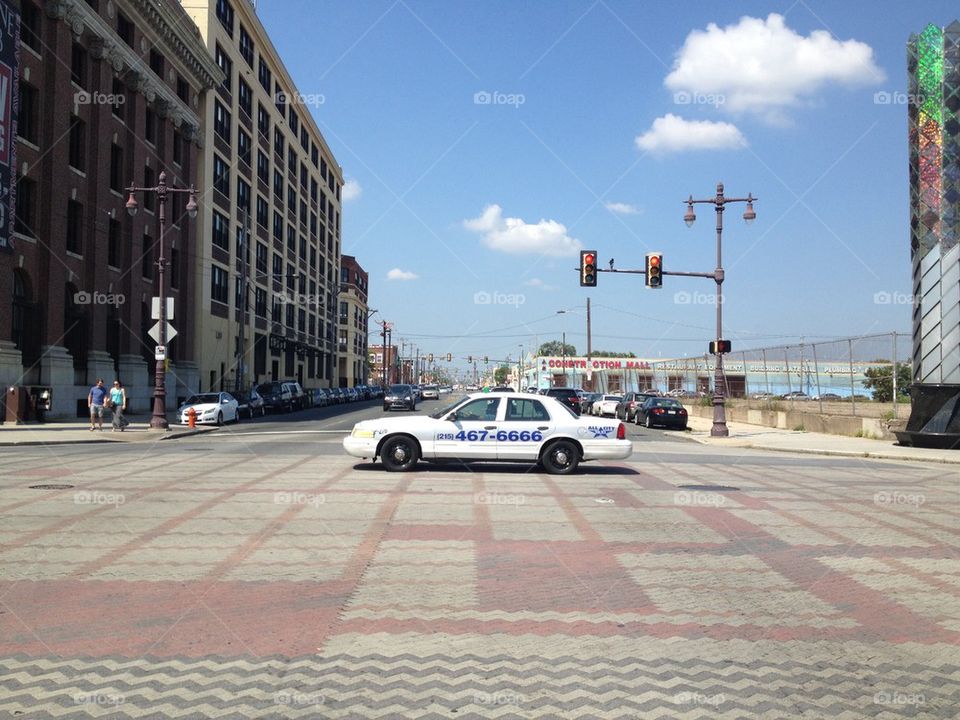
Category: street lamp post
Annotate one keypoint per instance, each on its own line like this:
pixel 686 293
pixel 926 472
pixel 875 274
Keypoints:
pixel 719 428
pixel 159 419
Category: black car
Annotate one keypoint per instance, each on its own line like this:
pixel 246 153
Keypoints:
pixel 568 396
pixel 627 408
pixel 250 403
pixel 400 396
pixel 276 397
pixel 587 400
pixel 662 411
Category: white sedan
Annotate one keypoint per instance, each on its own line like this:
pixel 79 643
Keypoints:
pixel 507 427
pixel 606 405
pixel 212 408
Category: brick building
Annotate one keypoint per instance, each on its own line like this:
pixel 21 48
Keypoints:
pixel 109 93
pixel 353 318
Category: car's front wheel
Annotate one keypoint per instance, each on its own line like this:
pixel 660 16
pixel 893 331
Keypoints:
pixel 219 418
pixel 399 453
pixel 560 457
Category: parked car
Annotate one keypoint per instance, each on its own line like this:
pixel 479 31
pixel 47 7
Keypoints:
pixel 320 397
pixel 586 402
pixel 336 396
pixel 567 396
pixel 431 392
pixel 627 408
pixel 277 397
pixel 662 411
pixel 795 395
pixel 214 408
pixel 762 396
pixel 250 403
pixel 606 405
pixel 502 388
pixel 298 398
pixel 400 396
pixel 827 396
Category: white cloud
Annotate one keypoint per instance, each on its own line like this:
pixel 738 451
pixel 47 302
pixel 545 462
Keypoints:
pixel 534 282
pixel 763 66
pixel 398 274
pixel 622 208
pixel 674 134
pixel 351 191
pixel 515 236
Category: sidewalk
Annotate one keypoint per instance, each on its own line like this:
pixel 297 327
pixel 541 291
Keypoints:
pixel 767 438
pixel 78 431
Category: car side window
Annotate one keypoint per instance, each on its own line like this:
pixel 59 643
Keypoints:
pixel 529 410
pixel 483 409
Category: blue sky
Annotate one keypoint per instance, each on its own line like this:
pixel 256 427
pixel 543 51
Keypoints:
pixel 599 119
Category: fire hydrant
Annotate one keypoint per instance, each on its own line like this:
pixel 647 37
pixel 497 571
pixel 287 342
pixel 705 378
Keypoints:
pixel 192 417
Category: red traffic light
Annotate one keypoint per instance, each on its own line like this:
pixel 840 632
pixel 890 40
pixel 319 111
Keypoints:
pixel 589 259
pixel 655 260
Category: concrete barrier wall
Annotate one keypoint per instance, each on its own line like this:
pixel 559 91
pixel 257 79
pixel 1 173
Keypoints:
pixel 805 420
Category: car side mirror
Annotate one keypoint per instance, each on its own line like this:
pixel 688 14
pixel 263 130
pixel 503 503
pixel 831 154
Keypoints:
pixel 452 417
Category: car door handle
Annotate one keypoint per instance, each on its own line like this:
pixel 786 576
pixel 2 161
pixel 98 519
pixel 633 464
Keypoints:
pixel 543 427
pixel 489 427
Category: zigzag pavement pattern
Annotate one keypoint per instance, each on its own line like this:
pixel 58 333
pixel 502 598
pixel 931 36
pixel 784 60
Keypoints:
pixel 814 682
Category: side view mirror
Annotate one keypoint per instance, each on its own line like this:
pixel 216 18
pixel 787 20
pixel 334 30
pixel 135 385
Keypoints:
pixel 452 417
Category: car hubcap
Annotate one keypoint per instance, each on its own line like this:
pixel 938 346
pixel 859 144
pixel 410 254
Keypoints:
pixel 561 458
pixel 399 453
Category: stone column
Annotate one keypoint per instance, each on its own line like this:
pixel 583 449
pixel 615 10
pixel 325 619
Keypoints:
pixel 134 375
pixel 11 364
pixel 56 372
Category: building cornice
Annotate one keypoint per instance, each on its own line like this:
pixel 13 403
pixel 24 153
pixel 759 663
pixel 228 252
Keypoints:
pixel 179 32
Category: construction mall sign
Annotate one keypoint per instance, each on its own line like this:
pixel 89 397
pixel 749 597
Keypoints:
pixel 596 363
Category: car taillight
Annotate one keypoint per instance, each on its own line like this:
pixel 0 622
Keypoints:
pixel 681 411
pixel 622 432
pixel 658 411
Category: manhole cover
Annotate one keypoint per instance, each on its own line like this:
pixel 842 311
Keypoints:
pixel 51 486
pixel 708 488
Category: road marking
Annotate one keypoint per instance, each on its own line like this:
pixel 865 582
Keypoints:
pixel 287 432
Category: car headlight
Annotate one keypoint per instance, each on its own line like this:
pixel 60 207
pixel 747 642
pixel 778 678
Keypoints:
pixel 362 433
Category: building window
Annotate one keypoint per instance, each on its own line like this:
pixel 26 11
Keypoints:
pixel 292 160
pixel 27 122
pixel 125 29
pixel 278 227
pixel 78 137
pixel 224 63
pixel 323 168
pixel 243 195
pixel 150 126
pixel 294 121
pixel 261 258
pixel 313 189
pixel 263 121
pixel 116 168
pixel 303 213
pixel 219 284
pixel 264 75
pixel 225 15
pixel 277 267
pixel 26 207
pixel 260 302
pixel 278 141
pixel 243 146
pixel 177 147
pixel 221 121
pixel 280 100
pixel 30 19
pixel 343 312
pixel 289 317
pixel 304 138
pixel 244 97
pixel 146 264
pixel 221 175
pixel 119 98
pixel 221 231
pixel 149 181
pixel 183 90
pixel 313 258
pixel 303 177
pixel 156 64
pixel 78 64
pixel 291 198
pixel 302 320
pixel 313 226
pixel 278 185
pixel 246 46
pixel 263 167
pixel 314 155
pixel 262 213
pixel 113 243
pixel 291 239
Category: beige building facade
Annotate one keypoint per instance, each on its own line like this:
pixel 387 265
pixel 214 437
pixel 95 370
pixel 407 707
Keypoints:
pixel 269 230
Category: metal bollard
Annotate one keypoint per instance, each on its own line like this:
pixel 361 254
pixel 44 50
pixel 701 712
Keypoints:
pixel 192 417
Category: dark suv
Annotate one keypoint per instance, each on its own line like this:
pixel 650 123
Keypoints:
pixel 276 397
pixel 568 396
pixel 627 408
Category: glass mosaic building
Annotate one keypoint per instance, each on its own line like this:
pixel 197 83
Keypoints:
pixel 934 133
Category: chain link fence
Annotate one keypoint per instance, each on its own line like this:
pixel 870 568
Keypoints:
pixel 829 372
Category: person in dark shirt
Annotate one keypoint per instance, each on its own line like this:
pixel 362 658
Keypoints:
pixel 95 398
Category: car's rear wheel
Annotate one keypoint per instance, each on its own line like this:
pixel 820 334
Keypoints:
pixel 649 422
pixel 386 408
pixel 560 457
pixel 399 453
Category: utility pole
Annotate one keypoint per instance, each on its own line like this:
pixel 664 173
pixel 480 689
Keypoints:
pixel 589 350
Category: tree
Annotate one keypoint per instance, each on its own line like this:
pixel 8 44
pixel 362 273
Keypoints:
pixel 555 348
pixel 501 374
pixel 604 353
pixel 880 380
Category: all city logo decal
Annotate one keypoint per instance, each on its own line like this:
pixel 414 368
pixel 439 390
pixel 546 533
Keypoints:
pixel 596 432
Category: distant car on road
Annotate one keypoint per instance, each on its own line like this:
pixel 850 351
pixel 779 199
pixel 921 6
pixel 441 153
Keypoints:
pixel 795 395
pixel 431 392
pixel 400 396
pixel 662 411
pixel 250 403
pixel 627 408
pixel 298 398
pixel 606 405
pixel 827 396
pixel 567 396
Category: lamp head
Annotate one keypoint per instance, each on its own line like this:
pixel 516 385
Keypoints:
pixel 690 218
pixel 132 205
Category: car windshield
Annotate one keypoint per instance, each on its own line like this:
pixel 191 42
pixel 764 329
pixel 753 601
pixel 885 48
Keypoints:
pixel 665 403
pixel 399 389
pixel 203 399
pixel 436 415
pixel 614 398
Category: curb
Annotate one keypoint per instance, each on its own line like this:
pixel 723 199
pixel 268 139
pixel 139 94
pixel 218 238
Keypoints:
pixel 149 436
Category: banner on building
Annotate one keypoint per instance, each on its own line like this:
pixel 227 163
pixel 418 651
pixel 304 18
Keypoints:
pixel 9 110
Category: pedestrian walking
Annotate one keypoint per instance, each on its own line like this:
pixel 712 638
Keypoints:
pixel 95 401
pixel 118 401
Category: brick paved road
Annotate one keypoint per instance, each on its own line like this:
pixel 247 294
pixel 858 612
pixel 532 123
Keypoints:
pixel 270 576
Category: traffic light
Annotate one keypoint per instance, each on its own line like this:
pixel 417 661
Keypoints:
pixel 430 357
pixel 588 268
pixel 469 358
pixel 654 270
pixel 486 359
pixel 449 357
pixel 724 346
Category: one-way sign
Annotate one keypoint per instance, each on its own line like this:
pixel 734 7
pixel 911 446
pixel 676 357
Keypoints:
pixel 155 333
